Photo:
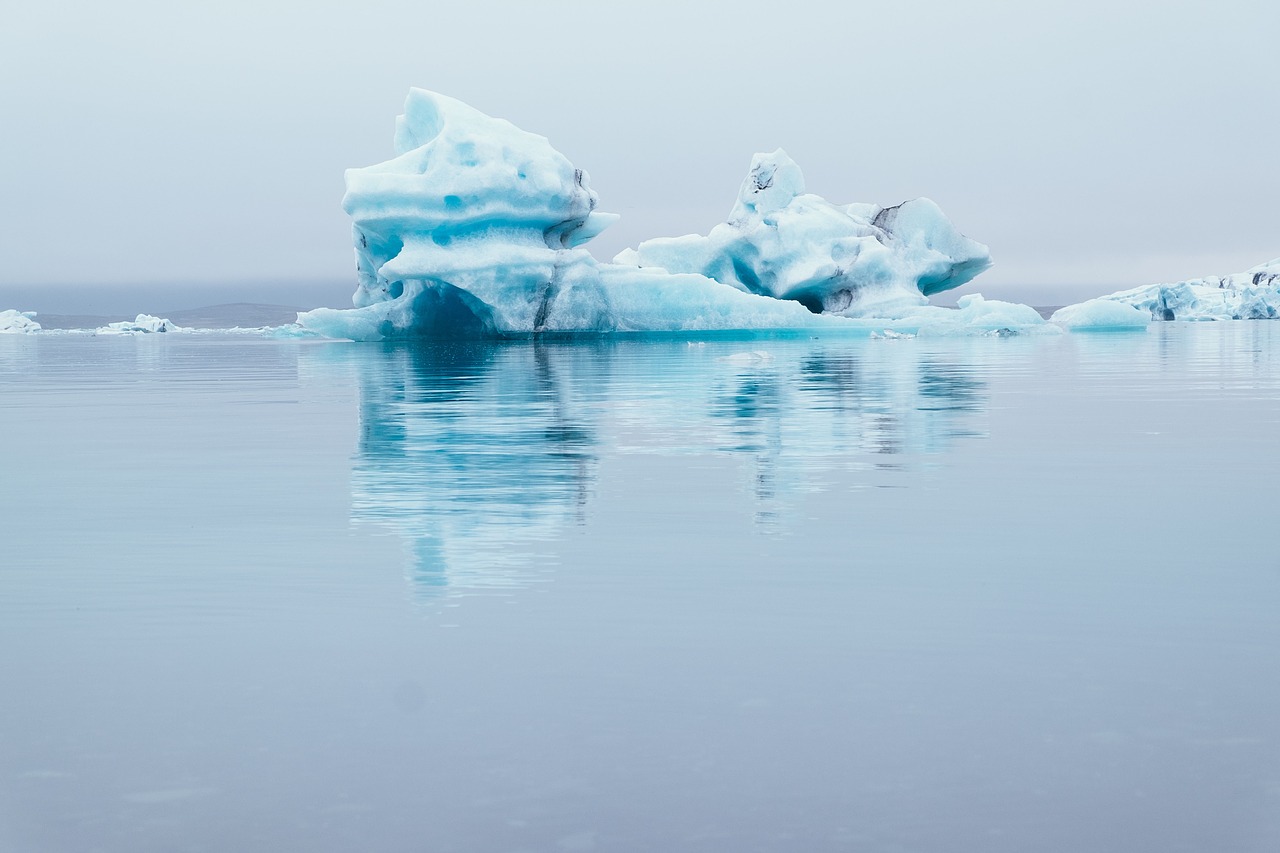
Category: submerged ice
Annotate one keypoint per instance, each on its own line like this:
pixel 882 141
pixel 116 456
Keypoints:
pixel 474 229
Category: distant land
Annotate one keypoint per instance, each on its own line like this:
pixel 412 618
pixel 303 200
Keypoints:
pixel 246 315
pixel 125 301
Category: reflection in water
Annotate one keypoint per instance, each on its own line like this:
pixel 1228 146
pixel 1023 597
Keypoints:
pixel 473 452
pixel 839 409
pixel 478 454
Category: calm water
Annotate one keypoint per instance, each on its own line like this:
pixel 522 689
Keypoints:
pixel 907 595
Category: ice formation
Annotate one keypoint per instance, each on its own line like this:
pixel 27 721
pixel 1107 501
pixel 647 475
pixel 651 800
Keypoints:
pixel 1100 315
pixel 1250 295
pixel 860 260
pixel 18 322
pixel 473 229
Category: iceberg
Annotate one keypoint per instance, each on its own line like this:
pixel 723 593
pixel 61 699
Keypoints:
pixel 18 322
pixel 1251 295
pixel 474 229
pixel 859 260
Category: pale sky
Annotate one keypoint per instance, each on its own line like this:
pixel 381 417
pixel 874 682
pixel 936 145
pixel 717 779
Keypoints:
pixel 1091 145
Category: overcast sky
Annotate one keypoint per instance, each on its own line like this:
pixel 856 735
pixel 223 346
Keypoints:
pixel 1094 144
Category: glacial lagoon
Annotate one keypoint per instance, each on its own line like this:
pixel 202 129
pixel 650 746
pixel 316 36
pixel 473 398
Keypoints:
pixel 989 593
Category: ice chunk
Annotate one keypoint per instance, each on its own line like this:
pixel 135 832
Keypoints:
pixel 18 322
pixel 891 335
pixel 993 314
pixel 859 260
pixel 1101 315
pixel 973 316
pixel 1251 295
pixel 144 323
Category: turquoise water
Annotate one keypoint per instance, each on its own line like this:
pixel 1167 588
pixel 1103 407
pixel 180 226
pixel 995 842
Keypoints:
pixel 893 595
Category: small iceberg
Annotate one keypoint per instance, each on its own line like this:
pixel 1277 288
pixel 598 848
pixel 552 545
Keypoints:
pixel 18 322
pixel 1100 315
pixel 142 324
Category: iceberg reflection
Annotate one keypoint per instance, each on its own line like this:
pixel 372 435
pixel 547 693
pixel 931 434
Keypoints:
pixel 482 455
pixel 472 452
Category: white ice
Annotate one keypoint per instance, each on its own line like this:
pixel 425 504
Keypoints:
pixel 1251 295
pixel 18 322
pixel 142 324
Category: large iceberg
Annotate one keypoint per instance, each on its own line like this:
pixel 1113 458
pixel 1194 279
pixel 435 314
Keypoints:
pixel 1250 295
pixel 474 229
pixel 859 260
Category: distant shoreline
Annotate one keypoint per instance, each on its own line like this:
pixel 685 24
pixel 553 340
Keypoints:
pixel 245 315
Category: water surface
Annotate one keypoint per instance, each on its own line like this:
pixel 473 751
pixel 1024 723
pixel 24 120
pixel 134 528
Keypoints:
pixel 972 594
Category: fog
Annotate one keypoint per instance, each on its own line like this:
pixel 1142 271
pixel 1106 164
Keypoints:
pixel 1091 145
